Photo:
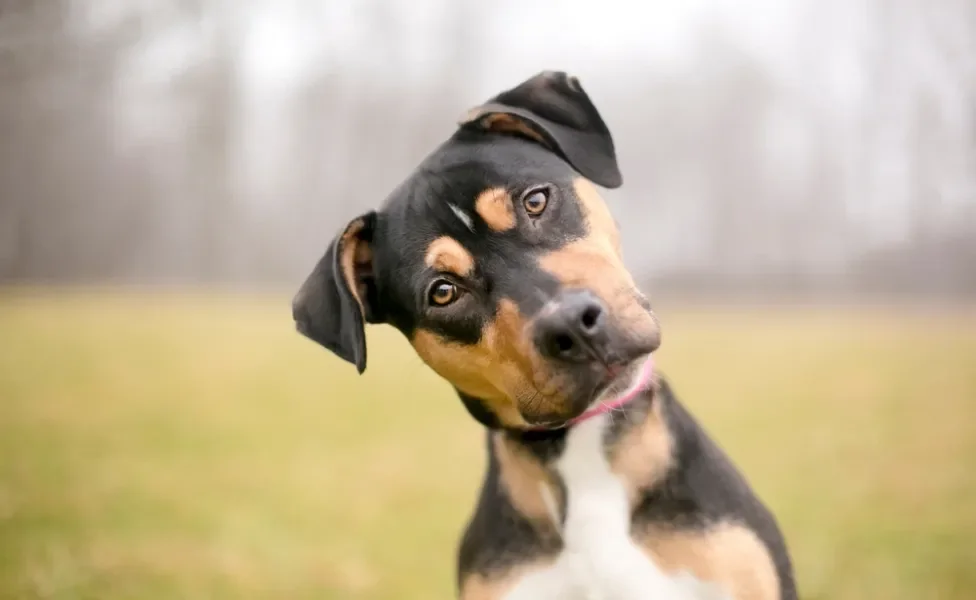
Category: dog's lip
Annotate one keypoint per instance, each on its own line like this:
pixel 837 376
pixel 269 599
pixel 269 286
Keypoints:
pixel 630 378
pixel 636 372
pixel 614 371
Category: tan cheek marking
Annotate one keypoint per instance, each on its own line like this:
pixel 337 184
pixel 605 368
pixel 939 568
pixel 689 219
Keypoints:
pixel 598 216
pixel 645 453
pixel 501 369
pixel 585 264
pixel 446 254
pixel 729 555
pixel 494 206
pixel 595 259
pixel 595 263
pixel 471 369
pixel 355 256
pixel 525 480
pixel 525 375
pixel 496 587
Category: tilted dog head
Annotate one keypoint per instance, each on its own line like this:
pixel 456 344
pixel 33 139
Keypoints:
pixel 499 261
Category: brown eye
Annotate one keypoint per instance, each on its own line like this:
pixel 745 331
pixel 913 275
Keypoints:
pixel 443 293
pixel 535 202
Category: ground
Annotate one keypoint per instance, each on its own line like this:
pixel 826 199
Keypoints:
pixel 164 445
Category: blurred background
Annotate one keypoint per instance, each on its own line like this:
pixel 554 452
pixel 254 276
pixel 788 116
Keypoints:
pixel 799 199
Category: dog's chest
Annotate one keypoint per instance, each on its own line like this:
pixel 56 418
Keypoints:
pixel 600 560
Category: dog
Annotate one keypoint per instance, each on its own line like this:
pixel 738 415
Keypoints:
pixel 501 264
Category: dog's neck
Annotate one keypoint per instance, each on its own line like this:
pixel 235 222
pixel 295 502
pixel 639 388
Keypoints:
pixel 626 386
pixel 547 444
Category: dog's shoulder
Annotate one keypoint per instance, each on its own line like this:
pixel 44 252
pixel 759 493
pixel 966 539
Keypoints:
pixel 704 506
pixel 510 525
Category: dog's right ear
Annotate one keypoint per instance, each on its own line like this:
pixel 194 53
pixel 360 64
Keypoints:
pixel 553 109
pixel 339 297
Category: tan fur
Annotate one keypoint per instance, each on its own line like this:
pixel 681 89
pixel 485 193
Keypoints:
pixel 470 115
pixel 502 123
pixel 503 368
pixel 597 213
pixel 643 456
pixel 506 123
pixel 595 263
pixel 727 554
pixel 496 586
pixel 355 257
pixel 477 587
pixel 495 208
pixel 524 479
pixel 445 254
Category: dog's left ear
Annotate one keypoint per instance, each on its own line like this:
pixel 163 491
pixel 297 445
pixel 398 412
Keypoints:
pixel 339 297
pixel 552 109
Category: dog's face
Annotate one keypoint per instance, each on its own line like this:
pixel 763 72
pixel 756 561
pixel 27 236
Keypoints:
pixel 499 261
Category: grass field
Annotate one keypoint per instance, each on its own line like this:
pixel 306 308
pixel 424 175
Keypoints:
pixel 188 446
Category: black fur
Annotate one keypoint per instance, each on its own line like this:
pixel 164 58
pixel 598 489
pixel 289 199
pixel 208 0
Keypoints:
pixel 703 488
pixel 325 309
pixel 556 107
pixel 555 135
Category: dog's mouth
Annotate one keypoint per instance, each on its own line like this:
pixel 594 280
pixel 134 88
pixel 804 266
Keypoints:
pixel 620 385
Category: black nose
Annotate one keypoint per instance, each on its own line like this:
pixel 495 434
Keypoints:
pixel 574 329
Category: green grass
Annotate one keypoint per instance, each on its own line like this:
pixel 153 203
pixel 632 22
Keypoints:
pixel 194 446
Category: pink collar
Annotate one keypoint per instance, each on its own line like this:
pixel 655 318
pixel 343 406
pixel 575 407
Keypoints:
pixel 636 387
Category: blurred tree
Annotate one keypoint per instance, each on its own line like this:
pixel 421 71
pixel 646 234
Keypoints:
pixel 137 140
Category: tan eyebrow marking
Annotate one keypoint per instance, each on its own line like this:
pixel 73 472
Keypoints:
pixel 447 254
pixel 494 206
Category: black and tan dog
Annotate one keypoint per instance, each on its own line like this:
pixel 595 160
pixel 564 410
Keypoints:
pixel 500 263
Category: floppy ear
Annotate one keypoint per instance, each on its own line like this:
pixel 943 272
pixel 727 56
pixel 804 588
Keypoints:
pixel 552 109
pixel 339 297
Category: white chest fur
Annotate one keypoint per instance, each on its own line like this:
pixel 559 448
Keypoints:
pixel 600 561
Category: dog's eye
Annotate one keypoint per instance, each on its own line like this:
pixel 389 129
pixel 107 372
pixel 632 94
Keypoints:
pixel 535 202
pixel 443 293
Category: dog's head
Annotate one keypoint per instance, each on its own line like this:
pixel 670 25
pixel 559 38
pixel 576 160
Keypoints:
pixel 499 261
